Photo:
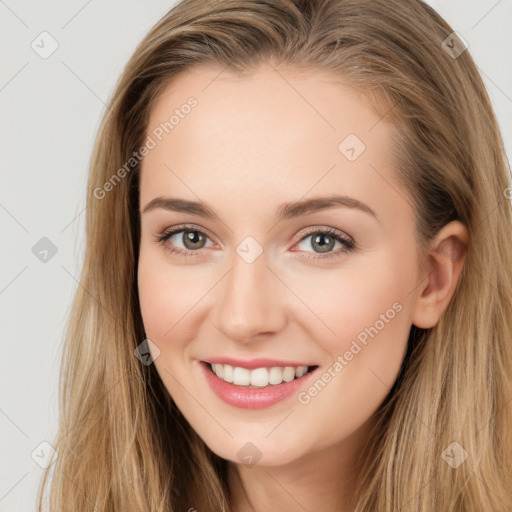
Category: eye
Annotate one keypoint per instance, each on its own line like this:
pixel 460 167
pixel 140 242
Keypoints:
pixel 191 238
pixel 324 240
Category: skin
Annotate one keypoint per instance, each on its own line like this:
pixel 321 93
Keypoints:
pixel 251 144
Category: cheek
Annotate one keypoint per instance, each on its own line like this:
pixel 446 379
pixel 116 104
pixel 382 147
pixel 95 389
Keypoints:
pixel 370 316
pixel 161 295
pixel 355 302
pixel 170 296
pixel 368 310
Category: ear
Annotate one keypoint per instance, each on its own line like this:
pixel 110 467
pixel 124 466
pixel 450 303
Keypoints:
pixel 445 260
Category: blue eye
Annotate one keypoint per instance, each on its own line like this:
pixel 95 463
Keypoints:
pixel 324 239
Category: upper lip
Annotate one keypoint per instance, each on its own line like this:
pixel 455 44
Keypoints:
pixel 254 363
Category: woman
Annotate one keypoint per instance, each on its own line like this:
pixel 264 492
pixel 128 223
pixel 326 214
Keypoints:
pixel 223 352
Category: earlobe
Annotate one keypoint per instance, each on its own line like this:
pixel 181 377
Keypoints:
pixel 445 260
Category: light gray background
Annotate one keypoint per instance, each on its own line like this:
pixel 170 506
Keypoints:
pixel 50 110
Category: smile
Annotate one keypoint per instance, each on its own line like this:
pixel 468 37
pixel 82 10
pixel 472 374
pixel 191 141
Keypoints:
pixel 257 387
pixel 258 377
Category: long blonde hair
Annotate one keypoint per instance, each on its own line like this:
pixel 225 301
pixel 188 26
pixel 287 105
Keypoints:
pixel 122 443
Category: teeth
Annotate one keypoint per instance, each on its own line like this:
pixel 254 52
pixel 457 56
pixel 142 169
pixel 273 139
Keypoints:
pixel 301 371
pixel 275 375
pixel 288 374
pixel 241 376
pixel 218 369
pixel 226 373
pixel 259 377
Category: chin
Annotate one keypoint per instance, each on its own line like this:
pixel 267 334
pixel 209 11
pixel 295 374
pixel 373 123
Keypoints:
pixel 255 453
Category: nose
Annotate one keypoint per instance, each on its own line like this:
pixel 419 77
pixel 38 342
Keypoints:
pixel 250 301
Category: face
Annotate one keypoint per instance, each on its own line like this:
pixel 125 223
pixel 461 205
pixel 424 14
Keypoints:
pixel 261 278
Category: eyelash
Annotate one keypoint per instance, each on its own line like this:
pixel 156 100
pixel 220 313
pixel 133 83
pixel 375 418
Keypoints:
pixel 348 242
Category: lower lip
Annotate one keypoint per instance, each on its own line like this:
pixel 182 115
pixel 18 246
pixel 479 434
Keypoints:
pixel 252 398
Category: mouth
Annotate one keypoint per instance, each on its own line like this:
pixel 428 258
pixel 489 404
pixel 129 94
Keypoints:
pixel 263 377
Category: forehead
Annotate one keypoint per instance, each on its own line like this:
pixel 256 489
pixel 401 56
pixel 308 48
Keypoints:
pixel 266 134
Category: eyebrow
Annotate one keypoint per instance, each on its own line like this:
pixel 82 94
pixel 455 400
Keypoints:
pixel 286 210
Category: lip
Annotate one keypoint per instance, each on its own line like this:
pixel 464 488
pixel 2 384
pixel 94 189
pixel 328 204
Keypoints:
pixel 253 398
pixel 255 363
